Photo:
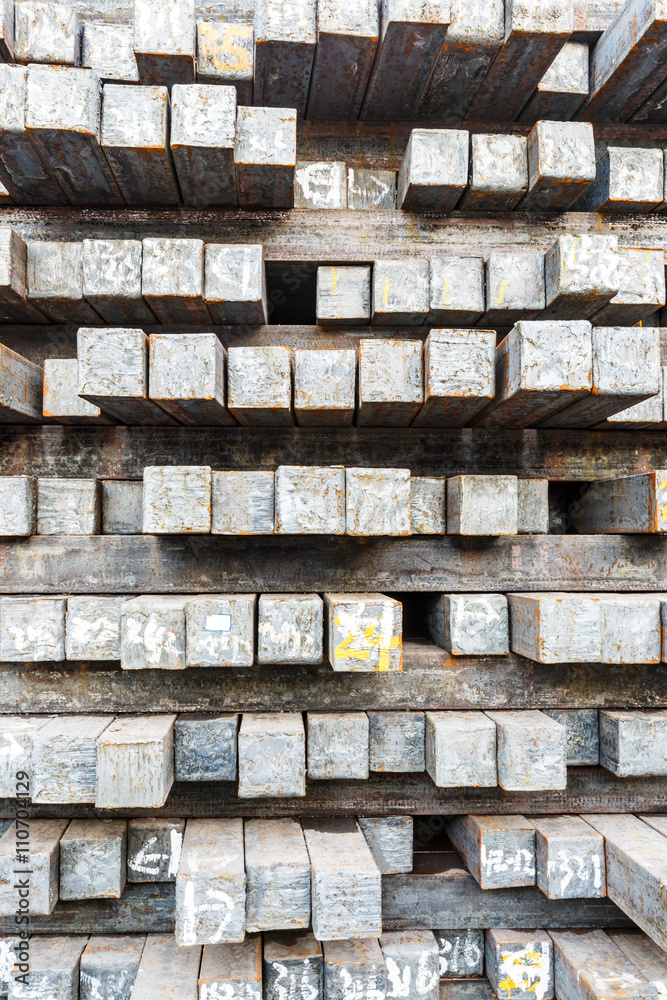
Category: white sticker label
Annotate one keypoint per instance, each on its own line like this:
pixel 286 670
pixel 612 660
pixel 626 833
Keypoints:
pixel 218 623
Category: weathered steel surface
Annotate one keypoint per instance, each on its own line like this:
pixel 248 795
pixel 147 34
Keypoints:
pixel 54 967
pixel 461 750
pixel 233 970
pixel 459 375
pixel 570 858
pixel 354 965
pixel 457 291
pixel 412 959
pixel 92 629
pixel 461 955
pixel 628 62
pixel 347 36
pixel 186 375
pixel 337 745
pixel 514 288
pixel 64 760
pixel 272 756
pixel 255 515
pixel 122 507
pixel 278 875
pixel 532 751
pixel 563 88
pixel 203 130
pixel 154 849
pixel 41 865
pixel 134 137
pixel 93 859
pixel 32 628
pixel 292 965
pixel 163 961
pixel 469 625
pixel 112 281
pixel 211 883
pixel 259 385
pixel 68 507
pixel 561 164
pixel 139 565
pixel 135 762
pixel 391 384
pixel 265 156
pixel 626 368
pixel 320 185
pixel 18 504
pixel 60 400
pixel 396 741
pixel 498 850
pixel 235 283
pixel 449 896
pixel 411 35
pixel 389 839
pixel 123 452
pixel 430 680
pixel 641 288
pixel 519 963
pixel 62 117
pixel 324 387
pixel 164 41
pixel 434 171
pixel 345 880
pixel 285 41
pixel 107 49
pixel 177 499
pixel 427 506
pixel 205 747
pixel 535 32
pixel 109 966
pixel 589 964
pixel 482 505
pixel 172 280
pixel 541 367
pixel 310 500
pixel 627 180
pixel 633 743
pixel 583 739
pixel 22 168
pixel 474 37
pixel 498 173
pixel 377 503
pixel 345 236
pixel 632 504
pixel 54 276
pixel 226 56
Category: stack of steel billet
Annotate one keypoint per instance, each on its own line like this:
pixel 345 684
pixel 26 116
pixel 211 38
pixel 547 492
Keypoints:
pixel 434 963
pixel 333 500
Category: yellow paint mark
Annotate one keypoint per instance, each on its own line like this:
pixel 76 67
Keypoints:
pixel 385 296
pixel 334 280
pixel 663 512
pixel 503 289
pixel 241 55
pixel 663 484
pixel 446 296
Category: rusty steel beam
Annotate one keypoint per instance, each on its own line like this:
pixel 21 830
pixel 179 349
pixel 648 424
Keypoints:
pixel 175 564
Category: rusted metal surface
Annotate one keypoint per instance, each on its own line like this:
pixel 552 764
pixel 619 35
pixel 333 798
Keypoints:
pixel 628 62
pixel 46 32
pixel 62 116
pixel 124 452
pixel 449 896
pixel 411 35
pixel 203 130
pixel 141 564
pixel 164 41
pixel 535 32
pixel 226 56
pixel 347 36
pixel 285 41
pixel 61 401
pixel 471 44
pixel 20 388
pixel 430 680
pixel 134 137
pixel 561 164
pixel 107 49
pixel 498 173
pixel 627 180
pixel 22 168
pixel 563 88
pixel 265 156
